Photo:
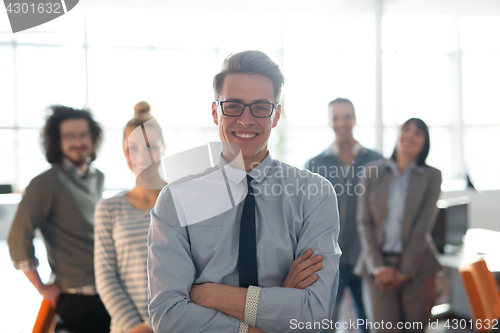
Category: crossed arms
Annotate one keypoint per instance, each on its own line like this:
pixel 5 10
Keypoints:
pixel 175 305
pixel 231 300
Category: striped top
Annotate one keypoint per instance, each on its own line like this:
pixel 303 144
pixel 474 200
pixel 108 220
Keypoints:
pixel 121 232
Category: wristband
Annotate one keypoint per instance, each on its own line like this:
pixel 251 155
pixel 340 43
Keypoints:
pixel 251 305
pixel 243 327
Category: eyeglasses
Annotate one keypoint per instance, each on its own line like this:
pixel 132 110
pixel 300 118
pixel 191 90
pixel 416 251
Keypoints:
pixel 235 109
pixel 71 137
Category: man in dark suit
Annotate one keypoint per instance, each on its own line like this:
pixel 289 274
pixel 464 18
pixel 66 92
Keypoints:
pixel 342 163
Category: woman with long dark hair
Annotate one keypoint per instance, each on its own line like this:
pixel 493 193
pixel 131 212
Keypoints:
pixel 397 211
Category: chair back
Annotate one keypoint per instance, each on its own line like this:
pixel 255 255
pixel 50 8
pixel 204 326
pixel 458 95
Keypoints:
pixel 482 294
pixel 46 319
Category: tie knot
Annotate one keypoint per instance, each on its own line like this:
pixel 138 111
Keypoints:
pixel 249 180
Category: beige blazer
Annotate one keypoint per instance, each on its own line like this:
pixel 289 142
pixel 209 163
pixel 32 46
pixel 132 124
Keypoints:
pixel 419 259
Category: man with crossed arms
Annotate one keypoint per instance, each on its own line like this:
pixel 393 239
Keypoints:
pixel 271 262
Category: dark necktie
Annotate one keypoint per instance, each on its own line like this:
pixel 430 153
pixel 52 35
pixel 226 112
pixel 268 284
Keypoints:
pixel 247 256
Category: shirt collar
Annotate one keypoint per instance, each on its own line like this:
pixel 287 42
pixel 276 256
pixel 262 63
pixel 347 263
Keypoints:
pixel 391 164
pixel 418 169
pixel 236 174
pixel 263 169
pixel 76 172
pixel 335 150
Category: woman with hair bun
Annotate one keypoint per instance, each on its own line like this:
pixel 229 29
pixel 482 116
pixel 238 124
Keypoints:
pixel 121 228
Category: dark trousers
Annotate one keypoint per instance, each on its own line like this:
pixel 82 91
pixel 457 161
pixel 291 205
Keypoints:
pixel 83 314
pixel 348 279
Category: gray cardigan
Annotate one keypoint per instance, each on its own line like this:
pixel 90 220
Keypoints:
pixel 329 166
pixel 62 207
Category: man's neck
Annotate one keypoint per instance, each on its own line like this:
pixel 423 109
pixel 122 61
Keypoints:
pixel 345 150
pixel 252 163
pixel 346 144
pixel 81 167
pixel 249 162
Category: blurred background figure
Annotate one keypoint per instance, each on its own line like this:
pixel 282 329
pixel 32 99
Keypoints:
pixel 340 164
pixel 60 203
pixel 121 228
pixel 397 212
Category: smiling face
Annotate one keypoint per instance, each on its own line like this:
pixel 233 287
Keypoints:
pixel 411 141
pixel 137 153
pixel 247 132
pixel 342 120
pixel 76 140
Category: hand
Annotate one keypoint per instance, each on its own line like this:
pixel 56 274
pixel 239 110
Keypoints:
pixel 383 287
pixel 387 278
pixel 299 276
pixel 400 277
pixel 384 274
pixel 51 293
pixel 141 328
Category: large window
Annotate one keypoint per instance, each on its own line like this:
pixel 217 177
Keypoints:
pixel 326 56
pixel 417 77
pixel 441 67
pixel 481 84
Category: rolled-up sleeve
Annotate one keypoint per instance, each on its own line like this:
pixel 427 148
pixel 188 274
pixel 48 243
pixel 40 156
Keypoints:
pixel 33 210
pixel 171 273
pixel 278 306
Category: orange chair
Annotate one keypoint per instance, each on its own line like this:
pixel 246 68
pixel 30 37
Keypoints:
pixel 46 319
pixel 482 293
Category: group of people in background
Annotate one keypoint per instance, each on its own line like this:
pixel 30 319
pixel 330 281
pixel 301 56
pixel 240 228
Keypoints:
pixel 100 254
pixel 388 259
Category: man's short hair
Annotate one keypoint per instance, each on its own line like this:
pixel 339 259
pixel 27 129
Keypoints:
pixel 250 62
pixel 341 100
pixel 51 135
